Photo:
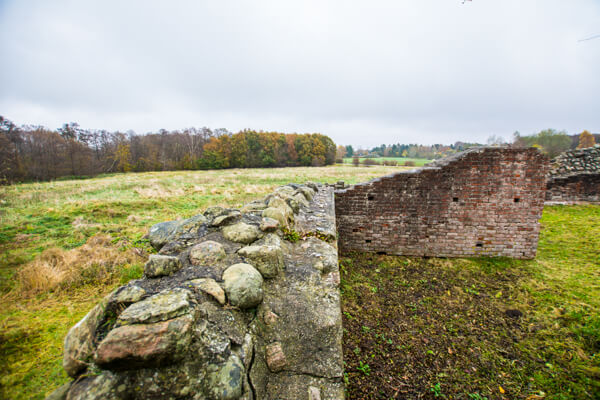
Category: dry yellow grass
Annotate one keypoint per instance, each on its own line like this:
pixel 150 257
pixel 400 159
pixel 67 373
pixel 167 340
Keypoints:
pixel 92 263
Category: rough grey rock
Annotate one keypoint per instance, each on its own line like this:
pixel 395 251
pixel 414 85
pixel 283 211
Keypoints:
pixel 225 381
pixel 159 265
pixel 207 253
pixel 241 233
pixel 98 387
pixel 128 294
pixel 299 197
pixel 231 322
pixel 307 192
pixel 160 307
pixel 226 219
pixel 208 286
pixel 60 393
pixel 80 342
pixel 285 191
pixel 253 206
pixel 269 224
pixel 243 285
pixel 131 346
pixel 164 232
pixel 189 226
pixel 212 212
pixel 267 259
pixel 159 234
pixel 276 214
pixel 293 204
pixel 215 346
pixel 278 202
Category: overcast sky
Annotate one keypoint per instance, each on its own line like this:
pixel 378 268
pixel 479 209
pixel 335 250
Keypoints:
pixel 362 72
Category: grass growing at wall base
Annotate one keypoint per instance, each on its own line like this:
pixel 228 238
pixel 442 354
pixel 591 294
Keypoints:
pixel 479 328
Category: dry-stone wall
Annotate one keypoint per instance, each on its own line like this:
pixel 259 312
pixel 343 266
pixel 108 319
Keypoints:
pixel 485 201
pixel 575 177
pixel 228 309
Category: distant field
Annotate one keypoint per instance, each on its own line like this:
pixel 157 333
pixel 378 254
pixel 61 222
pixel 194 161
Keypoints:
pixel 115 212
pixel 419 162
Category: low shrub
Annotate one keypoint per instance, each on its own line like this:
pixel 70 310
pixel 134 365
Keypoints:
pixel 409 163
pixel 369 161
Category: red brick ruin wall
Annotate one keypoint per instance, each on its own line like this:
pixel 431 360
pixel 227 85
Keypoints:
pixel 483 202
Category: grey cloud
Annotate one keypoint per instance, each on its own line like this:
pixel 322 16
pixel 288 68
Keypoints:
pixel 363 73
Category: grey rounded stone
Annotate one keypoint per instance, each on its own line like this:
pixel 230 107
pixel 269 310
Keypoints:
pixel 243 285
pixel 241 233
pixel 207 253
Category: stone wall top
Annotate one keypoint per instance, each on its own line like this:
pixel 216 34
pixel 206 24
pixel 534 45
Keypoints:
pixel 576 161
pixel 237 304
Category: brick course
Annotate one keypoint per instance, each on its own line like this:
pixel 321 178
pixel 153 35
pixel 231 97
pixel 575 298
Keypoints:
pixel 482 202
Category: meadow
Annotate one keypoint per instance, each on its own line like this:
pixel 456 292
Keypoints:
pixel 470 328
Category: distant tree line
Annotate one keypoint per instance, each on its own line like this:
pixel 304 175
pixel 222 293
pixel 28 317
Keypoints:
pixel 35 153
pixel 549 141
pixel 429 152
pixel 251 149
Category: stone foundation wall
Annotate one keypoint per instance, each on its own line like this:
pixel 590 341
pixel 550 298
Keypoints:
pixel 574 188
pixel 575 177
pixel 228 309
pixel 482 202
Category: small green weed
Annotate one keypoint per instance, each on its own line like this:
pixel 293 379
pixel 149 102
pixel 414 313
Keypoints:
pixel 364 368
pixel 437 390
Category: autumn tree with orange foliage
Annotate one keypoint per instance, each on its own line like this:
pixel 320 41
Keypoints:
pixel 252 149
pixel 586 139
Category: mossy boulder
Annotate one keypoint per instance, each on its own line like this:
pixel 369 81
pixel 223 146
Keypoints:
pixel 159 265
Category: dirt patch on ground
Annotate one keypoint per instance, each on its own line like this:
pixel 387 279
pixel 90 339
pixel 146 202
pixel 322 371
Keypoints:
pixel 433 328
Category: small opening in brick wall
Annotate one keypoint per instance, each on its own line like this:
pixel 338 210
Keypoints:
pixel 355 230
pixel 370 197
pixel 383 253
pixel 517 199
pixel 455 199
pixel 368 241
pixel 479 245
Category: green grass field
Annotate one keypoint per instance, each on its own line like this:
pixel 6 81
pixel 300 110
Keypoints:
pixel 419 162
pixel 558 292
pixel 36 218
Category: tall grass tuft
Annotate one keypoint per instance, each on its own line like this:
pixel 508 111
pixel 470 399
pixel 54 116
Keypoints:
pixel 96 262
